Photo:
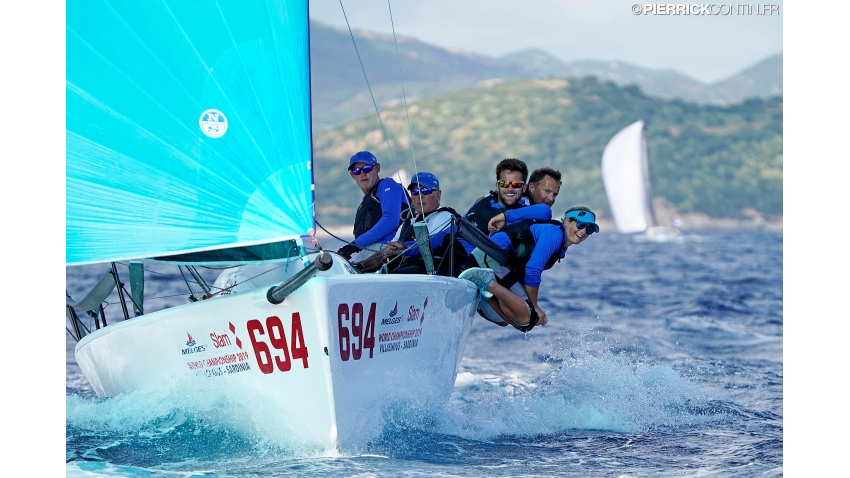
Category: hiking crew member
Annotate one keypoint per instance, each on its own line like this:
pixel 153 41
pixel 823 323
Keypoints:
pixel 379 213
pixel 544 185
pixel 534 246
pixel 511 175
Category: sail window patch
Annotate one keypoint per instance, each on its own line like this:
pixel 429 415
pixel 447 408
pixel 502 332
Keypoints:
pixel 213 123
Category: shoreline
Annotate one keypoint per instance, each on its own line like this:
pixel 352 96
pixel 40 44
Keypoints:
pixel 691 222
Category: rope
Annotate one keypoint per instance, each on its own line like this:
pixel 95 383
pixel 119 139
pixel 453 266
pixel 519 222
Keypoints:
pixel 341 239
pixel 404 97
pixel 375 103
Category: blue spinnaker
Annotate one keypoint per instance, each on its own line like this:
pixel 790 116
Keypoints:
pixel 187 126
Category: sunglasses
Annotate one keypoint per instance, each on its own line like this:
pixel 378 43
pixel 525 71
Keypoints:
pixel 514 184
pixel 423 191
pixel 588 227
pixel 365 169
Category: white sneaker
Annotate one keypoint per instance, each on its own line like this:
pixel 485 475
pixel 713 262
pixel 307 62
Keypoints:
pixel 481 278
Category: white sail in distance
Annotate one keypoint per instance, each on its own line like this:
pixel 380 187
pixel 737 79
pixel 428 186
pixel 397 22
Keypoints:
pixel 625 175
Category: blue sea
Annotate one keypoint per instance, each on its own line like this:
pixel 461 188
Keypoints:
pixel 661 358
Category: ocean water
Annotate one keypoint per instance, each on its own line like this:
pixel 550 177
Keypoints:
pixel 660 359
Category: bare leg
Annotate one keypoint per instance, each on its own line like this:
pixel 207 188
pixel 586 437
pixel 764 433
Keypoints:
pixel 510 307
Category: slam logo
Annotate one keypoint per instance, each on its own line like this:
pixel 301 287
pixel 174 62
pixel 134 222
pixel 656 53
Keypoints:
pixel 223 340
pixel 213 123
pixel 415 314
pixel 191 341
pixel 394 318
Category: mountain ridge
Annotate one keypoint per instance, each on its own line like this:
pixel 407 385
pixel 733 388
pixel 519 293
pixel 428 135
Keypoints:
pixel 704 159
pixel 340 92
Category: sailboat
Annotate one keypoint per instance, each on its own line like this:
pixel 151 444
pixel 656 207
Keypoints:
pixel 188 136
pixel 625 176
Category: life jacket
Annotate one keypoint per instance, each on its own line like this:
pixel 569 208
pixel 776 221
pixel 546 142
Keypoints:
pixel 369 211
pixel 522 244
pixel 480 213
pixel 440 253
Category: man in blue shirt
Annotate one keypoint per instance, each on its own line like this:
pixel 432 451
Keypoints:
pixel 379 213
pixel 511 174
pixel 534 246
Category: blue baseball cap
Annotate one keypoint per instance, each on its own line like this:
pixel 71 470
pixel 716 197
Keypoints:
pixel 583 216
pixel 362 157
pixel 425 179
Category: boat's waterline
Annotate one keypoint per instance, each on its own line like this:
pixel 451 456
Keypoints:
pixel 323 363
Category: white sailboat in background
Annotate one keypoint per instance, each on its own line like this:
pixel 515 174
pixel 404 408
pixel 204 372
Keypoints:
pixel 189 142
pixel 402 177
pixel 625 176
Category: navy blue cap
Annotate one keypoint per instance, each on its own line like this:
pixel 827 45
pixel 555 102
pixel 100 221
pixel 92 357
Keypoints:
pixel 362 157
pixel 425 179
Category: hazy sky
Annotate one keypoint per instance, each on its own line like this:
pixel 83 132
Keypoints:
pixel 705 47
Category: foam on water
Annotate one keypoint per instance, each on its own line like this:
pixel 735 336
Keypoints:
pixel 607 392
pixel 598 394
pixel 659 360
pixel 196 421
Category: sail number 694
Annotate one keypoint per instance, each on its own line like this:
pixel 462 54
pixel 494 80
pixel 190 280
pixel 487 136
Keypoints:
pixel 277 339
pixel 360 336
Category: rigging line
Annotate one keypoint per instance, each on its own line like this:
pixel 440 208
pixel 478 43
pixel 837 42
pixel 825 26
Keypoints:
pixel 191 292
pixel 198 279
pixel 404 97
pixel 171 276
pixel 341 239
pixel 362 68
pixel 224 289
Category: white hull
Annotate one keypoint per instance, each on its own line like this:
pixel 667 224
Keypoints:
pixel 334 396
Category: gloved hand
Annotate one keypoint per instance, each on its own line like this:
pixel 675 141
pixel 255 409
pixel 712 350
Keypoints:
pixel 347 250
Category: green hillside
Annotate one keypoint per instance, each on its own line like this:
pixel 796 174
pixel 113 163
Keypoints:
pixel 713 160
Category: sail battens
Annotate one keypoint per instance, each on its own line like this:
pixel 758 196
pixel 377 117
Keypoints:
pixel 194 135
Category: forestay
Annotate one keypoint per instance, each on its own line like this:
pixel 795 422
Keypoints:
pixel 187 128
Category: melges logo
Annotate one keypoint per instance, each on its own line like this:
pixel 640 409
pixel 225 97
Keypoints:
pixel 394 318
pixel 191 348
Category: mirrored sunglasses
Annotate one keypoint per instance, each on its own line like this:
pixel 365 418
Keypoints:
pixel 588 227
pixel 424 191
pixel 514 184
pixel 365 169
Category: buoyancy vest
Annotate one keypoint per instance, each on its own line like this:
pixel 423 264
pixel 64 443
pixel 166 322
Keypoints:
pixel 369 211
pixel 522 244
pixel 480 213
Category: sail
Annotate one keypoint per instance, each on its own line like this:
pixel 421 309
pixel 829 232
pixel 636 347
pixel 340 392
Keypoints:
pixel 625 175
pixel 187 126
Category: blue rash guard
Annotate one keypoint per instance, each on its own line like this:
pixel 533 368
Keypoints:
pixel 495 204
pixel 540 212
pixel 548 240
pixel 391 196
